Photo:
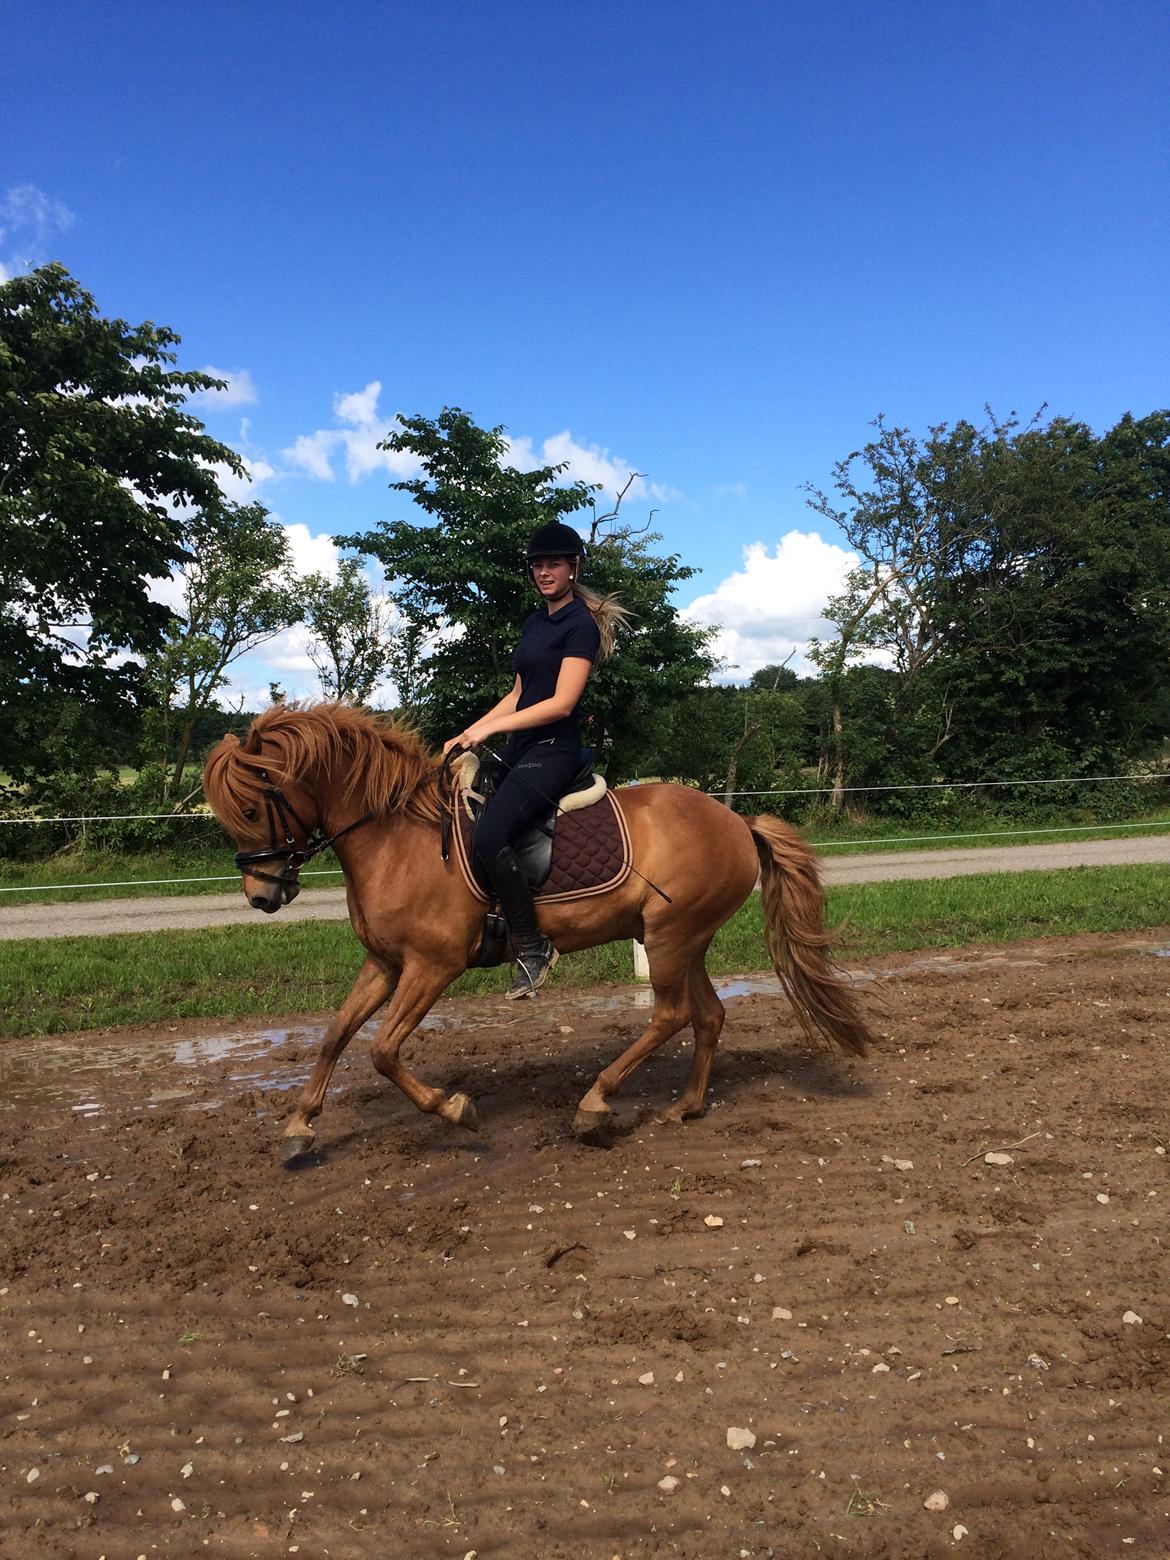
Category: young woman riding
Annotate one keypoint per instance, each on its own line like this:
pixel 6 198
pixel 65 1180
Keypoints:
pixel 560 644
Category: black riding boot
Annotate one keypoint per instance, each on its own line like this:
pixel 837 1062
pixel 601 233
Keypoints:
pixel 535 954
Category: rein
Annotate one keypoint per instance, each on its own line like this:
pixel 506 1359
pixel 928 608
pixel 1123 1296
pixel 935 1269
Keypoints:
pixel 277 806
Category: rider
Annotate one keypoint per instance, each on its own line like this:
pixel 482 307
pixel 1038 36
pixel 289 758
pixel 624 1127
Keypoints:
pixel 560 644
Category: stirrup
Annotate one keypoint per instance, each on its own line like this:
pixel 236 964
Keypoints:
pixel 532 969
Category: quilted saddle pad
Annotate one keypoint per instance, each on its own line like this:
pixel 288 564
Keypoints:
pixel 591 853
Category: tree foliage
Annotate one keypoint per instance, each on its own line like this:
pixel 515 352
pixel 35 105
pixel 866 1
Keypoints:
pixel 352 644
pixel 237 591
pixel 1015 581
pixel 461 587
pixel 96 455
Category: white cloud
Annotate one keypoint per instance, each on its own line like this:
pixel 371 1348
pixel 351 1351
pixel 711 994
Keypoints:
pixel 30 223
pixel 774 603
pixel 241 391
pixel 311 554
pixel 243 489
pixel 586 463
pixel 357 440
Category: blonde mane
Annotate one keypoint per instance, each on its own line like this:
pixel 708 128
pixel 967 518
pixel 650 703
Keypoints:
pixel 371 762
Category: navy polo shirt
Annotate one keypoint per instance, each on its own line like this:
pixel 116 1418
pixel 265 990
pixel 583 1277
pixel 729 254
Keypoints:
pixel 544 643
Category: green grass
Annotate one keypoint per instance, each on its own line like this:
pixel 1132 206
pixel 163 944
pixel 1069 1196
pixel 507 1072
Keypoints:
pixel 210 868
pixel 274 969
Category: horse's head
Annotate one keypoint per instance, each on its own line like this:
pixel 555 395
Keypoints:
pixel 299 762
pixel 271 815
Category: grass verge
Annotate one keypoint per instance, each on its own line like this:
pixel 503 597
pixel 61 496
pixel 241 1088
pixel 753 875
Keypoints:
pixel 274 969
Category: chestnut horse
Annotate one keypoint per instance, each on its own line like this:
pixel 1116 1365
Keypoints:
pixel 370 788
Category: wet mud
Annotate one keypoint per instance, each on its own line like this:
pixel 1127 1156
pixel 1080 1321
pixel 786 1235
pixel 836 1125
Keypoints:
pixel 424 1342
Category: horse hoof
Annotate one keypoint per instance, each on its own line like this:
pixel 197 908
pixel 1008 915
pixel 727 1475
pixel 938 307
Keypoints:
pixel 592 1125
pixel 294 1148
pixel 463 1112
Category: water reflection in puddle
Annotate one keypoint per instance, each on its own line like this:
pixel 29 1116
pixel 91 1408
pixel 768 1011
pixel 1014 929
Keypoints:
pixel 72 1072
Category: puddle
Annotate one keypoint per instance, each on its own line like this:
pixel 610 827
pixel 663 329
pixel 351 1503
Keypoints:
pixel 82 1074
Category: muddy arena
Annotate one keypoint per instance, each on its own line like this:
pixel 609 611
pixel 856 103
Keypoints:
pixel 820 1320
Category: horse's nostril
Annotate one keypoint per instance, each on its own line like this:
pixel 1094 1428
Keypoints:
pixel 261 902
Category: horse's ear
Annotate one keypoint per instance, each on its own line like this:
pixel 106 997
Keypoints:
pixel 252 745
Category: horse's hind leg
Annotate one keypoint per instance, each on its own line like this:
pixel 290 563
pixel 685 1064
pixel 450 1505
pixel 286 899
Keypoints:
pixel 668 971
pixel 707 1021
pixel 371 988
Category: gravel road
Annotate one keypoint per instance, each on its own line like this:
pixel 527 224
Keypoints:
pixel 98 917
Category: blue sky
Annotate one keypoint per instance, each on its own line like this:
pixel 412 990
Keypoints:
pixel 709 243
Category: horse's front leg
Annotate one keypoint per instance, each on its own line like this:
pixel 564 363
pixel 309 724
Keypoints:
pixel 418 989
pixel 371 988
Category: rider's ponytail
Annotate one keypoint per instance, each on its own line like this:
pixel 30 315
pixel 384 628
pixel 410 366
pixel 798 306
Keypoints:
pixel 608 614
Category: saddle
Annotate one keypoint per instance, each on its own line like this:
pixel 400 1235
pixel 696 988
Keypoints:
pixel 580 847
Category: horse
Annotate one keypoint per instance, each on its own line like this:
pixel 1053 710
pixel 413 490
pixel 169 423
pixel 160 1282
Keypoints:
pixel 309 776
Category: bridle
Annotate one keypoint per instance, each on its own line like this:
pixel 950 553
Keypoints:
pixel 280 811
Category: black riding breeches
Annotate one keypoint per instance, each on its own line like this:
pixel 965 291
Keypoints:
pixel 532 786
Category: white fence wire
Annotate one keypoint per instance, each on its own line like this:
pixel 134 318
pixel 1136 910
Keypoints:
pixel 1150 825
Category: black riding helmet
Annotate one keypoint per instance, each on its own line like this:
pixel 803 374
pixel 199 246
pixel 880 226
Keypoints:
pixel 554 540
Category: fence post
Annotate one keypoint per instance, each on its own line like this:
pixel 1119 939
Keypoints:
pixel 641 963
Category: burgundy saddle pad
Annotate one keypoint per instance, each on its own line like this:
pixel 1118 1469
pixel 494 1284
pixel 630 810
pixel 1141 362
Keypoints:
pixel 591 852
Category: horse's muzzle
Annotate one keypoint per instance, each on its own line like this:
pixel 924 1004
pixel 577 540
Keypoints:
pixel 271 896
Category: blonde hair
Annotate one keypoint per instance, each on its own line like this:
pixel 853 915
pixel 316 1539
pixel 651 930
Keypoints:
pixel 608 614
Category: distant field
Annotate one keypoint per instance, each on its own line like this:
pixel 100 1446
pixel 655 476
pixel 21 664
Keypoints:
pixel 276 968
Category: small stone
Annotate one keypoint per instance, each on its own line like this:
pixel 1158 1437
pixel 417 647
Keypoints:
pixel 646 1380
pixel 1102 1197
pixel 297 1435
pixel 998 1159
pixel 187 1470
pixel 105 1468
pixel 91 1496
pixel 750 1164
pixel 669 1484
pixel 951 1300
pixel 1132 1319
pixel 781 1313
pixel 713 1221
pixel 1037 1362
pixel 178 1505
pixel 723 1490
pixel 565 1029
pixel 630 1234
pixel 880 1368
pixel 958 1532
pixel 349 1299
pixel 739 1439
pixel 32 1475
pixel 938 1500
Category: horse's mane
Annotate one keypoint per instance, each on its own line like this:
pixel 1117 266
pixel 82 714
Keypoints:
pixel 373 762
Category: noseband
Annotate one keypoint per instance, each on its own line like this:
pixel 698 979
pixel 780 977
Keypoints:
pixel 278 807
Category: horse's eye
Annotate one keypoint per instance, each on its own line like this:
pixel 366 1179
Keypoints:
pixel 251 815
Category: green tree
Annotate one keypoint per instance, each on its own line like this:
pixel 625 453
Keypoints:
pixel 1062 622
pixel 238 590
pixel 97 454
pixel 352 632
pixel 460 585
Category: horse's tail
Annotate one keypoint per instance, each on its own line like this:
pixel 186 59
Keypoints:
pixel 794 925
